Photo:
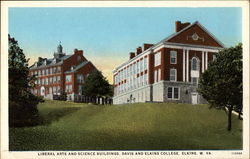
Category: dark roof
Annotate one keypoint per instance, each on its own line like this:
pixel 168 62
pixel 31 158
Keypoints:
pixel 78 67
pixel 41 64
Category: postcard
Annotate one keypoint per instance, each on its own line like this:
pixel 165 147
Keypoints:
pixel 124 79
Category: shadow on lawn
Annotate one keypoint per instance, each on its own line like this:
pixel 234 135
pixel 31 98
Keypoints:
pixel 55 115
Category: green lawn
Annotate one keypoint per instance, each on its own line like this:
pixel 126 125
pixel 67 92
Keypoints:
pixel 147 126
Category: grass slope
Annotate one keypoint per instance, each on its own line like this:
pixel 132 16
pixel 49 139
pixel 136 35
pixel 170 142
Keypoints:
pixel 147 126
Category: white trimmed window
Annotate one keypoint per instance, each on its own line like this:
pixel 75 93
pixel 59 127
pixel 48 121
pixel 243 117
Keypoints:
pixel 54 79
pixel 173 74
pixel 59 69
pixel 173 93
pixel 141 66
pixel 214 57
pixel 58 89
pixel 54 70
pixel 80 89
pixel 155 76
pixel 80 78
pixel 146 78
pixel 195 64
pixel 194 80
pixel 157 59
pixel 58 79
pixel 51 70
pixel 159 74
pixel 54 90
pixel 46 81
pixel 145 63
pixel 68 78
pixel 50 80
pixel 173 57
pixel 43 81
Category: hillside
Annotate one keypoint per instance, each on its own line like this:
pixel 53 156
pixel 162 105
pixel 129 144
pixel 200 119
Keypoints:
pixel 147 126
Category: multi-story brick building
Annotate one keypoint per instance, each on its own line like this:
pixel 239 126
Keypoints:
pixel 62 73
pixel 169 70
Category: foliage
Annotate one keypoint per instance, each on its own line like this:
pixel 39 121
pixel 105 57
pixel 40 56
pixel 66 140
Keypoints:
pixel 22 103
pixel 142 126
pixel 221 83
pixel 97 85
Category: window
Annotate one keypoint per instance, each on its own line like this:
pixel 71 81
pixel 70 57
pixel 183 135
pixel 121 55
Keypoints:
pixel 170 92
pixel 194 80
pixel 59 69
pixel 51 70
pixel 79 78
pixel 137 67
pixel 141 66
pixel 214 57
pixel 50 90
pixel 145 63
pixel 50 80
pixel 58 79
pixel 146 79
pixel 54 89
pixel 46 81
pixel 68 78
pixel 54 79
pixel 79 89
pixel 159 74
pixel 173 93
pixel 195 65
pixel 68 88
pixel 54 70
pixel 173 57
pixel 43 81
pixel 155 76
pixel 58 89
pixel 172 74
pixel 157 58
pixel 38 81
pixel 47 71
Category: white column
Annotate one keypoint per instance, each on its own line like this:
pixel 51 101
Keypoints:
pixel 206 59
pixel 187 68
pixel 184 64
pixel 203 60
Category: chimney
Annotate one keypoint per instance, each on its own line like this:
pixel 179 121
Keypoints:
pixel 146 46
pixel 76 51
pixel 131 55
pixel 138 51
pixel 40 59
pixel 179 26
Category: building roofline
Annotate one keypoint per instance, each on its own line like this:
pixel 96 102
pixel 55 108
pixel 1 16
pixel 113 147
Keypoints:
pixel 162 42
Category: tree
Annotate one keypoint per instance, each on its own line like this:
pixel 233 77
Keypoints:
pixel 221 83
pixel 97 85
pixel 22 103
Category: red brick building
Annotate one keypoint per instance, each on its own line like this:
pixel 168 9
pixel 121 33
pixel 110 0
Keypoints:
pixel 62 73
pixel 167 71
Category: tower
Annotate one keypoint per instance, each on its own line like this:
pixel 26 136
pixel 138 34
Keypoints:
pixel 59 52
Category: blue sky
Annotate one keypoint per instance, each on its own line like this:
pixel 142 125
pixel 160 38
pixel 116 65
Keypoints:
pixel 107 35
